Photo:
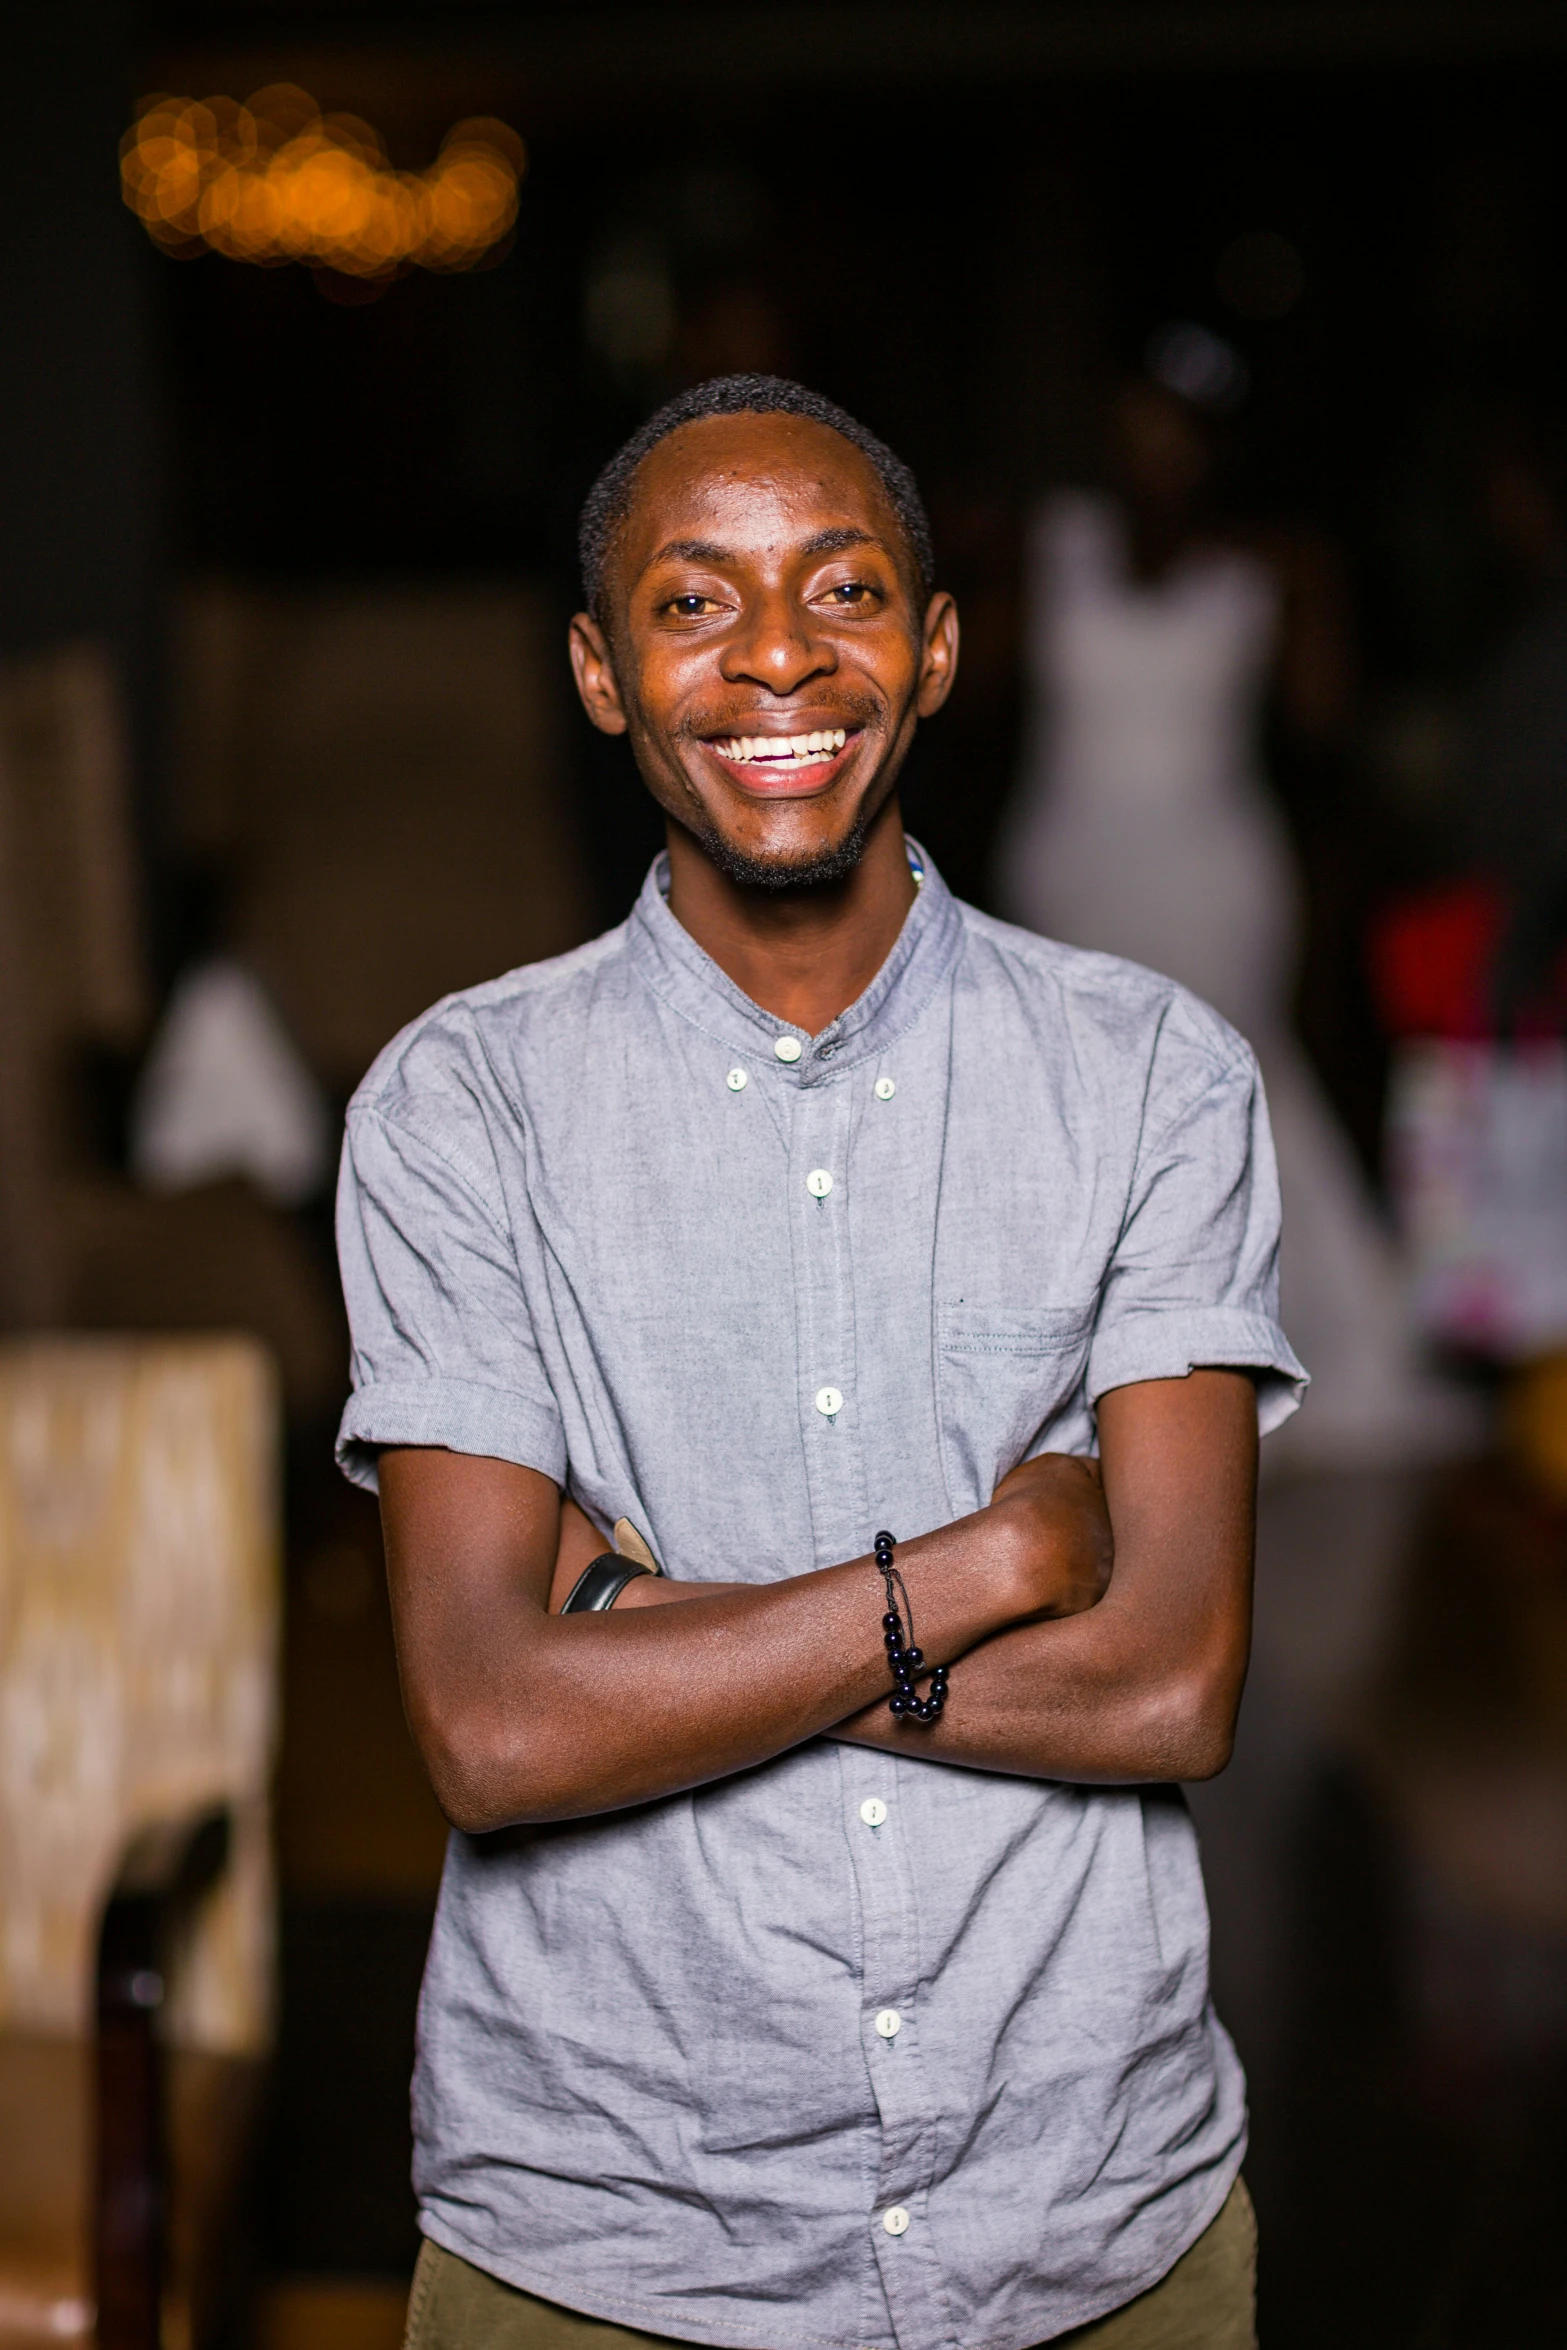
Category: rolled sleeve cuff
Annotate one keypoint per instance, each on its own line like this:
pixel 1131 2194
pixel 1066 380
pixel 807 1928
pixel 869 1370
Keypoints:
pixel 453 1414
pixel 1163 1344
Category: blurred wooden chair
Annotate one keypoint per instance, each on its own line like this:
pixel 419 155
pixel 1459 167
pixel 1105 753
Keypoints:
pixel 138 1635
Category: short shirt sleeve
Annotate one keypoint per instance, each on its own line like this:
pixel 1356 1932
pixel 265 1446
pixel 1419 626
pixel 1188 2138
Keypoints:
pixel 444 1351
pixel 1194 1279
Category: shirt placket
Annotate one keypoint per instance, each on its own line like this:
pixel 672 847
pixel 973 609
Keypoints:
pixel 832 1421
pixel 876 1809
pixel 835 1433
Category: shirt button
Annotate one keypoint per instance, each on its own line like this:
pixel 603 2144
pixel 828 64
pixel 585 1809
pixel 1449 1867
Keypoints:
pixel 818 1183
pixel 889 2023
pixel 736 1081
pixel 884 1089
pixel 873 1811
pixel 788 1048
pixel 895 2221
pixel 829 1402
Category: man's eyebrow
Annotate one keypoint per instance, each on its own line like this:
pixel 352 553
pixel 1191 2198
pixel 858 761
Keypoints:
pixel 825 542
pixel 691 551
pixel 833 542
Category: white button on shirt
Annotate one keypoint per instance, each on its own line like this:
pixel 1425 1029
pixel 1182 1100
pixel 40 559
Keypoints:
pixel 788 1048
pixel 895 2221
pixel 884 1089
pixel 829 1402
pixel 873 1811
pixel 736 1081
pixel 889 2023
pixel 818 1183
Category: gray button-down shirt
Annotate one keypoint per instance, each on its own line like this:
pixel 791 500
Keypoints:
pixel 583 1227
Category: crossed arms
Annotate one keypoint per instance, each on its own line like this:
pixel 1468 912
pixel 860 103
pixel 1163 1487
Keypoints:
pixel 1103 1633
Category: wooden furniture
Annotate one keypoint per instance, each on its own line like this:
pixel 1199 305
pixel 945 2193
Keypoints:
pixel 71 976
pixel 79 1245
pixel 138 1637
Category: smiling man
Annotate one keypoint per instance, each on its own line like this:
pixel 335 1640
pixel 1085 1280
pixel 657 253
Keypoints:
pixel 803 1980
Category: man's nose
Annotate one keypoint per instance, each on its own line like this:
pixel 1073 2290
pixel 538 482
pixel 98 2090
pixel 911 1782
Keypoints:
pixel 778 647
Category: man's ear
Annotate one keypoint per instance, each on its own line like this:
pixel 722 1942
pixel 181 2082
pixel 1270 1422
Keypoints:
pixel 593 667
pixel 939 661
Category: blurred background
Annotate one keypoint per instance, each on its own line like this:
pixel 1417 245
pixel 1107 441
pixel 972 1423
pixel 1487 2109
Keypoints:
pixel 1227 342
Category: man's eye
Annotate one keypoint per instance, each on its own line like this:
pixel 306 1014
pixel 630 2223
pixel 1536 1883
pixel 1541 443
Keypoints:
pixel 691 607
pixel 851 591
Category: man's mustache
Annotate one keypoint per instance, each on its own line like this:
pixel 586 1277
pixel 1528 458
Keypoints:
pixel 851 711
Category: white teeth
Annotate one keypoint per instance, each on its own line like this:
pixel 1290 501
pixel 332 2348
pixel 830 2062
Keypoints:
pixel 796 750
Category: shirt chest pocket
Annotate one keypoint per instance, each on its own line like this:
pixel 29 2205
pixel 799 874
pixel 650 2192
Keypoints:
pixel 1001 1378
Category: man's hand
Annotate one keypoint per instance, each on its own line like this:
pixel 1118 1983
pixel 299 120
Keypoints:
pixel 1147 1684
pixel 1059 1500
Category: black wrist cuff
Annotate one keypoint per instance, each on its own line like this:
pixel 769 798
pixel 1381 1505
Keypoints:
pixel 600 1584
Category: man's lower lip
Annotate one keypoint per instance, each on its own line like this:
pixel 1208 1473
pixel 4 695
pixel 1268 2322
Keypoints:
pixel 783 783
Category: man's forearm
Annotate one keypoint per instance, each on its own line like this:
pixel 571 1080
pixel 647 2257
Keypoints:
pixel 1069 1699
pixel 1074 1700
pixel 565 1717
pixel 1147 1684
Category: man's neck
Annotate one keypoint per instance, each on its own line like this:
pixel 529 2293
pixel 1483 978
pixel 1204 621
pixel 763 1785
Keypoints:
pixel 803 955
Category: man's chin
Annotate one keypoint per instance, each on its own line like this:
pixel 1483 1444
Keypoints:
pixel 816 869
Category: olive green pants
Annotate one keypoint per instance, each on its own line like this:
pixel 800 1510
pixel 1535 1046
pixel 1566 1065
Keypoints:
pixel 1207 2302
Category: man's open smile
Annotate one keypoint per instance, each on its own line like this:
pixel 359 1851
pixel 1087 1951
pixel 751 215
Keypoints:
pixel 784 764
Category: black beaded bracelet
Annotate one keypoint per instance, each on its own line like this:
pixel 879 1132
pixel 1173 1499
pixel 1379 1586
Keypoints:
pixel 906 1662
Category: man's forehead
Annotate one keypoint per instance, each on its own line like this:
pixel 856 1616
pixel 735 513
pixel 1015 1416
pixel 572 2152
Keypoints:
pixel 756 475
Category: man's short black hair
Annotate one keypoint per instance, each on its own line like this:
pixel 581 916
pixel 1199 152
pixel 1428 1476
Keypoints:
pixel 608 502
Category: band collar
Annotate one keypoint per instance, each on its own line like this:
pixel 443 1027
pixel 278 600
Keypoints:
pixel 687 978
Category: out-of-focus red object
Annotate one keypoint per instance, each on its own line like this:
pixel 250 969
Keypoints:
pixel 1432 958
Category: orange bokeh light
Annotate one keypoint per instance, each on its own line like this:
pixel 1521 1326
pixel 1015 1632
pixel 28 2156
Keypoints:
pixel 277 180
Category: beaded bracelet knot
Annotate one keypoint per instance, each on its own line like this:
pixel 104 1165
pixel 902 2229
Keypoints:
pixel 907 1661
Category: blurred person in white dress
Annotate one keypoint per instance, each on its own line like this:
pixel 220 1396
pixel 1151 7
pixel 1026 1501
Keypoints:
pixel 1159 642
pixel 1155 639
